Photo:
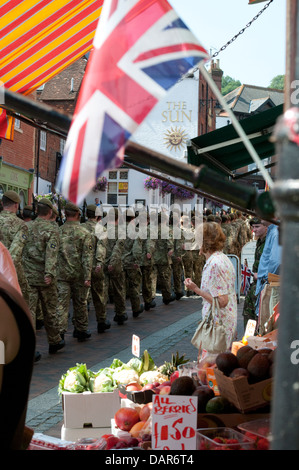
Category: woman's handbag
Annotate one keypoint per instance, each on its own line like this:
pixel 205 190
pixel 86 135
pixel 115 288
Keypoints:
pixel 209 336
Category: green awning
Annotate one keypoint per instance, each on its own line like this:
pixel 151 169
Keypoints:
pixel 224 151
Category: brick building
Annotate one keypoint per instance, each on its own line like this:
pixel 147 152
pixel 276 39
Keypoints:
pixel 17 161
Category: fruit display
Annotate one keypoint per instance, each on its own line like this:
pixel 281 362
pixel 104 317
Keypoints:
pixel 222 439
pixel 139 379
pixel 254 364
pixel 135 375
pixel 259 431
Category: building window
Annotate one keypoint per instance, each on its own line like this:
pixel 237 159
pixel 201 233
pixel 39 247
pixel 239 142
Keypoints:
pixel 123 175
pixel 62 145
pixel 43 140
pixel 118 188
pixel 17 123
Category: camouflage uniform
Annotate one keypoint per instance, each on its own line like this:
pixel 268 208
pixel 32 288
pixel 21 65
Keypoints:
pixel 147 270
pixel 163 263
pixel 14 235
pixel 40 261
pixel 199 261
pixel 250 299
pixel 228 231
pixel 75 260
pixel 131 261
pixel 188 257
pixel 177 266
pixel 115 246
pixel 99 278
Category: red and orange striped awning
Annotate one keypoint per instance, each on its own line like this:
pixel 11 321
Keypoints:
pixel 39 38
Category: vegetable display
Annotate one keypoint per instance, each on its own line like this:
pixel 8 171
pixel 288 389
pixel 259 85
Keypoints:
pixel 142 371
pixel 80 379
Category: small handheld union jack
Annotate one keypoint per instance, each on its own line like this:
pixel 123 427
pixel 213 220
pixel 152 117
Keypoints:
pixel 141 49
pixel 245 276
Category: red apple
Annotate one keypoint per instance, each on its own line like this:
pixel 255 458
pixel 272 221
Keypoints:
pixel 174 376
pixel 167 382
pixel 148 387
pixel 133 387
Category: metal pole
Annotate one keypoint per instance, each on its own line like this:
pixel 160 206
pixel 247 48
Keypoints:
pixel 285 404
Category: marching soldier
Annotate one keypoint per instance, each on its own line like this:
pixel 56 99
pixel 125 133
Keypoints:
pixel 40 264
pixel 99 279
pixel 177 263
pixel 198 258
pixel 13 235
pixel 75 260
pixel 114 266
pixel 131 261
pixel 162 259
pixel 187 255
pixel 147 269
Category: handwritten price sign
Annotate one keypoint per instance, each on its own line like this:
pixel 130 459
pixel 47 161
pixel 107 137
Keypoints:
pixel 174 420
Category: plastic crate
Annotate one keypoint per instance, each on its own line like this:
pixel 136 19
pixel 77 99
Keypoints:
pixel 222 439
pixel 259 431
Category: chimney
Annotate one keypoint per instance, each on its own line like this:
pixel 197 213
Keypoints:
pixel 216 73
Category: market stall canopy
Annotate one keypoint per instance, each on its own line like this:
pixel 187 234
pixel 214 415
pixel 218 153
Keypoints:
pixel 224 151
pixel 38 40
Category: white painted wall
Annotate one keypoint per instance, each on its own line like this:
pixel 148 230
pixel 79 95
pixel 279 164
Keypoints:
pixel 174 116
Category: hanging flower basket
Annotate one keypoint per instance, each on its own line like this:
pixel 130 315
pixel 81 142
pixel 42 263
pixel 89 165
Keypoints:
pixel 168 188
pixel 101 184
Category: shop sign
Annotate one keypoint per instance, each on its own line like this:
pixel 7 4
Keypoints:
pixel 174 421
pixel 123 187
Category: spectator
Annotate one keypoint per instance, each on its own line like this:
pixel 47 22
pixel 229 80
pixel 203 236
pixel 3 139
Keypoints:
pixel 218 280
pixel 259 229
pixel 17 336
pixel 270 261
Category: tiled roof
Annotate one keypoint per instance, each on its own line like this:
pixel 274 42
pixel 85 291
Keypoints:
pixel 248 98
pixel 65 85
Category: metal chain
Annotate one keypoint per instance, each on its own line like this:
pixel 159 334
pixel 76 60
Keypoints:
pixel 243 29
pixel 234 37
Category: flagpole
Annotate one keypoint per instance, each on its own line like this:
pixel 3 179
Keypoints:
pixel 237 126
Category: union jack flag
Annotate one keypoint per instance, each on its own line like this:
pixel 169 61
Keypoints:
pixel 245 279
pixel 141 49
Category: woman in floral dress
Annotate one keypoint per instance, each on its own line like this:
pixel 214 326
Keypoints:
pixel 218 280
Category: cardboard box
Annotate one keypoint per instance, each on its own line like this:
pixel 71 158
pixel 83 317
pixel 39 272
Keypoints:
pixel 244 396
pixel 89 410
pixel 236 346
pixel 267 341
pixel 73 434
pixel 230 420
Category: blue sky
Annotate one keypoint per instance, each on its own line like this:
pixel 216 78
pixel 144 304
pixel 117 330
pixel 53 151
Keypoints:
pixel 257 55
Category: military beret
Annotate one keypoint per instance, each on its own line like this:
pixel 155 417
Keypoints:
pixel 92 207
pixel 13 196
pixel 99 211
pixel 55 210
pixel 28 208
pixel 70 206
pixel 255 221
pixel 45 202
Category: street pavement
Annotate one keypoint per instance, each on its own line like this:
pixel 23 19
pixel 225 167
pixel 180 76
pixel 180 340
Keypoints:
pixel 163 331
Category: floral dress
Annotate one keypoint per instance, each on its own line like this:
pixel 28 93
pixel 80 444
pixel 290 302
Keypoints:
pixel 218 278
